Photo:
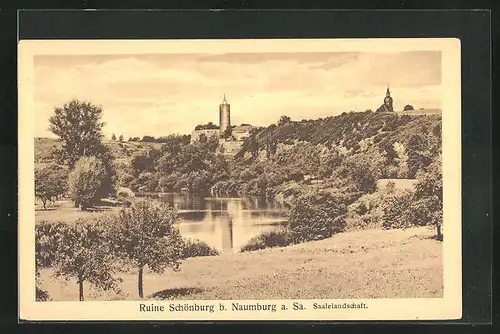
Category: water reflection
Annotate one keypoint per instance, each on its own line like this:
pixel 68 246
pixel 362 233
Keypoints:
pixel 225 223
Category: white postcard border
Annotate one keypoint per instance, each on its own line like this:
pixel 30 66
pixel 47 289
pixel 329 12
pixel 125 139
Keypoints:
pixel 448 307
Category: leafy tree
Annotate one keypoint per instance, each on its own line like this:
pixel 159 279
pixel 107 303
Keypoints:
pixel 253 146
pixel 113 137
pixel 85 181
pixel 328 163
pixel 84 253
pixel 418 156
pixel 141 163
pixel 317 216
pixel 124 178
pixel 50 182
pixel 121 138
pixel 421 207
pixel 208 126
pixel 48 237
pixel 145 235
pixel 271 147
pixel 79 128
pixel 402 160
pixel 148 139
pixel 408 107
pixel 125 195
pixel 429 196
pixel 364 169
pixel 284 120
pixel 396 210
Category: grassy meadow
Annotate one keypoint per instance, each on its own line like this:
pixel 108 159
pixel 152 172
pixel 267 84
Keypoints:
pixel 363 264
pixel 65 210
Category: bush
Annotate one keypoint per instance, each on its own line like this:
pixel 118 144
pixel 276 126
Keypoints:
pixel 86 180
pixel 280 238
pixel 370 220
pixel 125 195
pixel 50 182
pixel 366 212
pixel 41 295
pixel 397 210
pixel 317 216
pixel 421 207
pixel 429 196
pixel 196 248
pixel 124 179
pixel 48 236
pixel 364 169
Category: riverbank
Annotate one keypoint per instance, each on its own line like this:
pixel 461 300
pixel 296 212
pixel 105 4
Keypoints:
pixel 362 264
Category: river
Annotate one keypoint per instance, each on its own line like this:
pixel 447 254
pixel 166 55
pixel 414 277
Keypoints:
pixel 225 223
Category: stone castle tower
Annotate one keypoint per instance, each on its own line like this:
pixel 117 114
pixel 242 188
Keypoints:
pixel 224 115
pixel 387 106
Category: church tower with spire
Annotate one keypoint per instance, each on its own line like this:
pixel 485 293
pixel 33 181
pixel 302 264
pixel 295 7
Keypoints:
pixel 224 115
pixel 387 106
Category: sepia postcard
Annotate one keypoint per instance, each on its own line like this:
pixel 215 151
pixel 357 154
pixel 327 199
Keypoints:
pixel 269 179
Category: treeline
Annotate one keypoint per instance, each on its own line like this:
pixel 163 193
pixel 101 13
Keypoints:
pixel 163 139
pixel 361 147
pixel 177 165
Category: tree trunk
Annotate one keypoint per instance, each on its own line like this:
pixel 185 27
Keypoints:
pixel 80 283
pixel 439 236
pixel 139 283
pixel 44 202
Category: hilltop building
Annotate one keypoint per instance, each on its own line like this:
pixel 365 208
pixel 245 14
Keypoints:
pixel 241 132
pixel 231 137
pixel 196 134
pixel 388 105
pixel 224 115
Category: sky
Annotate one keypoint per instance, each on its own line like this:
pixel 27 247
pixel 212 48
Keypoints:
pixel 159 94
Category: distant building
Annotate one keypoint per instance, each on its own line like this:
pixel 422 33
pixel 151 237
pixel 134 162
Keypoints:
pixel 241 132
pixel 224 115
pixel 388 105
pixel 238 133
pixel 196 134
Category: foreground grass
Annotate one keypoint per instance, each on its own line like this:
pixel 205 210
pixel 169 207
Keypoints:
pixel 363 264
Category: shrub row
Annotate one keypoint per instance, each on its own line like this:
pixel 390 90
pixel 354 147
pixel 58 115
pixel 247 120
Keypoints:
pixel 280 238
pixel 196 248
pixel 314 216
